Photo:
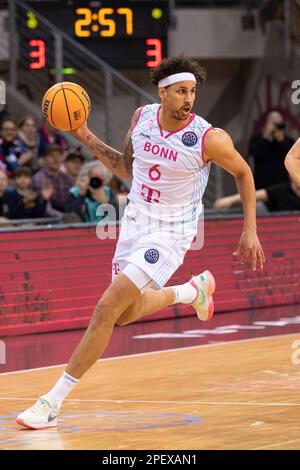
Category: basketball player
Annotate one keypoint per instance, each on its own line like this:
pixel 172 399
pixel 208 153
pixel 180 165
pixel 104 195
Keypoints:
pixel 292 163
pixel 168 151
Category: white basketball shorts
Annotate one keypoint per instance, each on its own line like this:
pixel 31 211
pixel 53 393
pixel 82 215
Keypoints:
pixel 154 243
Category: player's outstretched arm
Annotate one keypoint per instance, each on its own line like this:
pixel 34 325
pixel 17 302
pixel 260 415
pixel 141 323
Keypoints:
pixel 292 163
pixel 220 150
pixel 117 162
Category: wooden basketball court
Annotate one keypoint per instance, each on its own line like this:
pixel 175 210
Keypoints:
pixel 237 395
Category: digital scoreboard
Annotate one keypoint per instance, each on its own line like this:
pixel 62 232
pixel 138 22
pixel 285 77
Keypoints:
pixel 126 34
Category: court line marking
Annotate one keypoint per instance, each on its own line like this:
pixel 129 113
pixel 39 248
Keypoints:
pixel 162 402
pixel 276 445
pixel 150 353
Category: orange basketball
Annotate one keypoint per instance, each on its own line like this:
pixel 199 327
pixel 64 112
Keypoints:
pixel 66 106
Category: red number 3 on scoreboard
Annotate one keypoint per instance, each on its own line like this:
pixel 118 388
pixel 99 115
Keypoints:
pixel 38 52
pixel 155 52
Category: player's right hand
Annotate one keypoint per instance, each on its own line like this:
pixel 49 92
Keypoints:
pixel 249 247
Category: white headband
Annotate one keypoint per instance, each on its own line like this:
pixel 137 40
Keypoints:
pixel 176 77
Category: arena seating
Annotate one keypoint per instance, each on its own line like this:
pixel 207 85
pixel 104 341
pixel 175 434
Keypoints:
pixel 52 279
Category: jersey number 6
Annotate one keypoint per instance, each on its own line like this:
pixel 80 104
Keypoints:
pixel 154 173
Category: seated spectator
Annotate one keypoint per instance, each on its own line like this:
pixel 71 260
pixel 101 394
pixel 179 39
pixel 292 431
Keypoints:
pixel 279 197
pixel 22 202
pixel 48 135
pixel 91 192
pixel 268 149
pixel 51 176
pixel 73 163
pixel 29 137
pixel 12 151
pixel 3 191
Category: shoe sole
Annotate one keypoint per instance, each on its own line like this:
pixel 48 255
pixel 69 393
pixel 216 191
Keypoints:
pixel 52 424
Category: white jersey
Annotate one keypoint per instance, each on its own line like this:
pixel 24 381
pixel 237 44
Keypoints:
pixel 161 220
pixel 168 168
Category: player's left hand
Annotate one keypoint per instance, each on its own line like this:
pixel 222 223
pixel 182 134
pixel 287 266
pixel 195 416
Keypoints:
pixel 249 247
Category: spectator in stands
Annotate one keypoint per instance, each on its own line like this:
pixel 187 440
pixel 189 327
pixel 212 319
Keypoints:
pixel 12 151
pixel 295 20
pixel 22 202
pixel 73 163
pixel 50 136
pixel 91 192
pixel 28 135
pixel 267 151
pixel 2 165
pixel 279 197
pixel 51 176
pixel 269 10
pixel 3 192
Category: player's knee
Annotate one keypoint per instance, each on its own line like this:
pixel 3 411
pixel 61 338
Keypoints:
pixel 105 314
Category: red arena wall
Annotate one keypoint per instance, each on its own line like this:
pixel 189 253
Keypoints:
pixel 52 279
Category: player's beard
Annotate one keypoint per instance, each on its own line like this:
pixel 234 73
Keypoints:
pixel 182 114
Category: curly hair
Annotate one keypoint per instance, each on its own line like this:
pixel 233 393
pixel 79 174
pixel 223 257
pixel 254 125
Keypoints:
pixel 177 65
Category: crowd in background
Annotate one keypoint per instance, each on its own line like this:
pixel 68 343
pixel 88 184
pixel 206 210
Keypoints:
pixel 41 176
pixel 267 151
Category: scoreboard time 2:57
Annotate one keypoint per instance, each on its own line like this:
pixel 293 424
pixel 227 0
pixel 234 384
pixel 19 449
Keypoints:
pixel 126 34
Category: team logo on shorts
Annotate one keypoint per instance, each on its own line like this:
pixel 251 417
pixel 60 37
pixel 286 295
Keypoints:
pixel 189 139
pixel 151 256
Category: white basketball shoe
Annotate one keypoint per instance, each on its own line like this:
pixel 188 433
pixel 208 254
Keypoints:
pixel 203 304
pixel 43 414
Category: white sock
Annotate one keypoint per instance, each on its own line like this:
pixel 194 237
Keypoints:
pixel 62 388
pixel 184 293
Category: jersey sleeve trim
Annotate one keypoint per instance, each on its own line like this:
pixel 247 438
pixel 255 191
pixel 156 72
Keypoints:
pixel 138 118
pixel 202 143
